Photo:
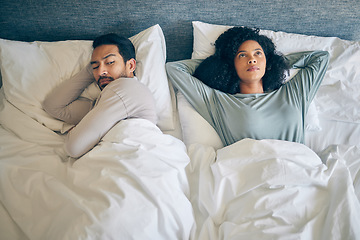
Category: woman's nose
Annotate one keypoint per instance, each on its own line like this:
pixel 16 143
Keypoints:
pixel 252 61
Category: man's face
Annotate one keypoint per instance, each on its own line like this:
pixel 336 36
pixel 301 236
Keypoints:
pixel 108 65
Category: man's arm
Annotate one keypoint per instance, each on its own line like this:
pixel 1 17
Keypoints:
pixel 120 99
pixel 64 103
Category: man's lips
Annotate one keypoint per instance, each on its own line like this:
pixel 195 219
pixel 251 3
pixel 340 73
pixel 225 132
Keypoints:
pixel 103 81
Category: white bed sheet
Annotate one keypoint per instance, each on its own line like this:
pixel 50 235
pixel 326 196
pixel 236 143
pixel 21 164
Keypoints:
pixel 133 184
pixel 333 132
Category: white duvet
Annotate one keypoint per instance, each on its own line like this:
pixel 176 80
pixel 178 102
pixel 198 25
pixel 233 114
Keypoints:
pixel 130 186
pixel 139 183
pixel 271 189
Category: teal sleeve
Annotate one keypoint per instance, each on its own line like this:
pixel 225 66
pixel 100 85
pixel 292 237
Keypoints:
pixel 312 68
pixel 196 92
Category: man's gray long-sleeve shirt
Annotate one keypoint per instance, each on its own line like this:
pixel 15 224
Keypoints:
pixel 121 99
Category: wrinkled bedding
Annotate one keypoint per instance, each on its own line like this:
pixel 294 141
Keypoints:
pixel 132 185
pixel 272 189
pixel 139 183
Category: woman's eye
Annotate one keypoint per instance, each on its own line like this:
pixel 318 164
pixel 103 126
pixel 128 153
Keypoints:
pixel 258 53
pixel 241 55
pixel 110 63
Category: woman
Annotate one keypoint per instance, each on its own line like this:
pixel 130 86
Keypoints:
pixel 241 91
pixel 219 70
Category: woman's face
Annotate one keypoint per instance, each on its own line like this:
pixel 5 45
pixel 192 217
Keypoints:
pixel 250 62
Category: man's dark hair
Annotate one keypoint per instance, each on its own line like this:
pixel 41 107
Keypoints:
pixel 218 71
pixel 125 46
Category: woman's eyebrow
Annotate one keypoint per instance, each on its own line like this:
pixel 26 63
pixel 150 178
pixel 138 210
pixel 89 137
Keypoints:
pixel 256 49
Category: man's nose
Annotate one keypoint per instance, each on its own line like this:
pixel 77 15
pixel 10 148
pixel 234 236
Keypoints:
pixel 102 70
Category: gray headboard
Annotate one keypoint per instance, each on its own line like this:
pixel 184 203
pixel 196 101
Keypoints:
pixel 53 20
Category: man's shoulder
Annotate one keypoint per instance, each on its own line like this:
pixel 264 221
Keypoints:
pixel 126 87
pixel 122 83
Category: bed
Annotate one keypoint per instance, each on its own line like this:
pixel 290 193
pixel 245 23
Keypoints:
pixel 175 180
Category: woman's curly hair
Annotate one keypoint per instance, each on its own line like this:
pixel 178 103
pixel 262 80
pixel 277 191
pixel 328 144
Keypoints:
pixel 218 71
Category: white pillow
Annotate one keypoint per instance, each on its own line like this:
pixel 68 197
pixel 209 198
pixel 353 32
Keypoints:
pixel 194 127
pixel 205 36
pixel 338 96
pixel 31 70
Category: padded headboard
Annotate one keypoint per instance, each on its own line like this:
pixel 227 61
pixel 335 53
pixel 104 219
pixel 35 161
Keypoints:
pixel 53 20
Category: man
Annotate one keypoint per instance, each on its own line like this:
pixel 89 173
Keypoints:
pixel 122 96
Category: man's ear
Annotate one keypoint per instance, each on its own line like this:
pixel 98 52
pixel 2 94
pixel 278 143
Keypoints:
pixel 131 65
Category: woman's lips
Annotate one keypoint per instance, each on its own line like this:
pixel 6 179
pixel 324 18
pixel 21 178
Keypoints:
pixel 253 68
